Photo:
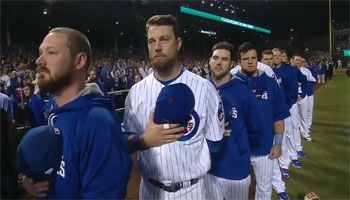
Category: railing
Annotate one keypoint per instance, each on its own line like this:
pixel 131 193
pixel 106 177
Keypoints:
pixel 115 93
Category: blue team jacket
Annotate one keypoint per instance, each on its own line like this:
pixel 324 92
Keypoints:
pixel 36 110
pixel 271 107
pixel 289 77
pixel 233 159
pixel 95 162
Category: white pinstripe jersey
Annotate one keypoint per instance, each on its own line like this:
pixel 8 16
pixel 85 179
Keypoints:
pixel 180 160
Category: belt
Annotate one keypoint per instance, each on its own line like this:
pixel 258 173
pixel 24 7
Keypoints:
pixel 173 187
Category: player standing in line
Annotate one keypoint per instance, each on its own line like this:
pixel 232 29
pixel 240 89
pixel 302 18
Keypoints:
pixel 277 183
pixel 289 77
pixel 229 176
pixel 95 162
pixel 173 169
pixel 303 104
pixel 310 94
pixel 302 126
pixel 271 106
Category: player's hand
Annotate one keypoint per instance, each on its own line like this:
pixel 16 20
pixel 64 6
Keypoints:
pixel 275 152
pixel 299 100
pixel 156 135
pixel 227 132
pixel 38 189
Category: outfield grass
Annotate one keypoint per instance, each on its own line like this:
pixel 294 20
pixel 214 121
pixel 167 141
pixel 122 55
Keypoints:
pixel 326 168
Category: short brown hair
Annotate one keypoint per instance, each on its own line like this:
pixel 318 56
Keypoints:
pixel 161 20
pixel 276 49
pixel 76 42
pixel 283 51
pixel 266 52
pixel 30 85
pixel 224 45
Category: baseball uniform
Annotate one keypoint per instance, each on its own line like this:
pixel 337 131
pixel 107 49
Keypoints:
pixel 230 168
pixel 303 104
pixel 270 109
pixel 289 77
pixel 182 162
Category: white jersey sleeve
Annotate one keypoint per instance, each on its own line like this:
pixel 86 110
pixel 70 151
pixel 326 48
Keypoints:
pixel 267 69
pixel 308 74
pixel 235 70
pixel 215 122
pixel 130 124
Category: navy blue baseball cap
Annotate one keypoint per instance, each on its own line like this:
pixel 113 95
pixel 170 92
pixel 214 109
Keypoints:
pixel 39 153
pixel 175 104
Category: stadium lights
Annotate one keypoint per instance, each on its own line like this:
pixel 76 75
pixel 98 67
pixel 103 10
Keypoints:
pixel 198 13
pixel 45 11
pixel 116 23
pixel 211 5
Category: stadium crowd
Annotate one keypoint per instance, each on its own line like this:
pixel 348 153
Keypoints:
pixel 19 77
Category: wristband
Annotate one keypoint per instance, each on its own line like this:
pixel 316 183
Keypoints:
pixel 136 140
pixel 278 139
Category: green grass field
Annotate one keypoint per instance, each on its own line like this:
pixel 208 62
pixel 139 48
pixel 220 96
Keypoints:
pixel 326 168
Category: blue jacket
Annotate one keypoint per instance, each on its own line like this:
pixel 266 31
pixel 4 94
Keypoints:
pixel 270 106
pixel 233 159
pixel 310 87
pixel 95 161
pixel 36 110
pixel 289 77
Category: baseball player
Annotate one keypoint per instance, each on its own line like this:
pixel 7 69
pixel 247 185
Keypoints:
pixel 310 96
pixel 273 110
pixel 229 174
pixel 303 104
pixel 173 168
pixel 289 77
pixel 277 183
pixel 95 161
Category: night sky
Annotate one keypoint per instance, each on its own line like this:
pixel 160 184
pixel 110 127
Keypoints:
pixel 97 19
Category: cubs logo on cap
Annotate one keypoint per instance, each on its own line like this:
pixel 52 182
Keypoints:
pixel 39 153
pixel 175 104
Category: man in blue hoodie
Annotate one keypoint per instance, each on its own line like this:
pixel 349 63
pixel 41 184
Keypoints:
pixel 289 78
pixel 95 162
pixel 229 176
pixel 272 110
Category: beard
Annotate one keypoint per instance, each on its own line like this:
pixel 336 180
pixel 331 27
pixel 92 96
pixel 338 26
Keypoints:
pixel 163 64
pixel 219 75
pixel 249 72
pixel 53 84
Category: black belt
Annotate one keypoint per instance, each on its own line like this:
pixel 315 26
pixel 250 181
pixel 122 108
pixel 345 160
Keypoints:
pixel 173 187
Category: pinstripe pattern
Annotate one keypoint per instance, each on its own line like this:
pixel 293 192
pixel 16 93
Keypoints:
pixel 288 146
pixel 303 123
pixel 182 160
pixel 263 168
pixel 277 182
pixel 294 112
pixel 220 188
pixel 310 107
pixel 149 191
